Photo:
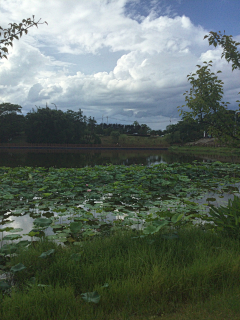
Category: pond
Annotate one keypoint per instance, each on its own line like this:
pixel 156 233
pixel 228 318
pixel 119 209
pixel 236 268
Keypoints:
pixel 82 158
pixel 71 204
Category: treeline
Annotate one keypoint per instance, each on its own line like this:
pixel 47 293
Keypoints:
pixel 46 125
pixel 135 128
pixel 189 129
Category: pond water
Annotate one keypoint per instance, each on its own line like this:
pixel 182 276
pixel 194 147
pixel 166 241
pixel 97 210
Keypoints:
pixel 81 159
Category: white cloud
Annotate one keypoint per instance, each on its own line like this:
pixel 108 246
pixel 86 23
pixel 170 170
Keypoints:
pixel 147 81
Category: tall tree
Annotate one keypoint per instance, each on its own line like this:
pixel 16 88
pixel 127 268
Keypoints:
pixel 15 31
pixel 11 121
pixel 205 103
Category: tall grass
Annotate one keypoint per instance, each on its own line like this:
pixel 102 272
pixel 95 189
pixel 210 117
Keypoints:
pixel 135 141
pixel 146 277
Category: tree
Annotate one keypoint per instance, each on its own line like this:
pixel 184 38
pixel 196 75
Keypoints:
pixel 46 125
pixel 230 51
pixel 11 122
pixel 14 32
pixel 204 101
pixel 115 136
pixel 184 131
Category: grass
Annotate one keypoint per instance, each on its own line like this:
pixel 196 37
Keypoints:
pixel 124 141
pixel 193 277
pixel 135 141
pixel 206 150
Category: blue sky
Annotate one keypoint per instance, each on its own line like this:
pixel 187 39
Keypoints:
pixel 120 60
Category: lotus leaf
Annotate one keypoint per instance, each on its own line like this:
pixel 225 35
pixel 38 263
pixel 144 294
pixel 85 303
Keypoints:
pixel 47 253
pixel 76 227
pixel 12 237
pixel 42 222
pixel 15 230
pixel 18 267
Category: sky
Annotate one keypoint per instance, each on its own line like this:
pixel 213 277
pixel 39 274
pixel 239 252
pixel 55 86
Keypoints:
pixel 119 61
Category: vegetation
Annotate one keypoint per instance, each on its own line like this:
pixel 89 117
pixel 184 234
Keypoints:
pixel 119 268
pixel 135 128
pixel 205 97
pixel 123 276
pixel 230 50
pixel 55 126
pixel 11 121
pixel 14 32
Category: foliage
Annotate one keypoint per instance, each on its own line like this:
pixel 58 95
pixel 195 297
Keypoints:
pixel 227 219
pixel 14 32
pixel 149 198
pixel 46 125
pixel 184 131
pixel 135 277
pixel 204 101
pixel 230 51
pixel 151 250
pixel 115 136
pixel 11 122
pixel 106 129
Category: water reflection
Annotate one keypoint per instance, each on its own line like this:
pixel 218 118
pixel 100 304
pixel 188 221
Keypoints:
pixel 83 158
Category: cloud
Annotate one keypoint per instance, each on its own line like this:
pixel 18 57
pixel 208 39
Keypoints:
pixel 142 64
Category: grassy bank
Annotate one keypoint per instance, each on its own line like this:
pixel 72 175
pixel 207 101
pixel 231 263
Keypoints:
pixel 205 150
pixel 124 141
pixel 193 277
pixel 135 141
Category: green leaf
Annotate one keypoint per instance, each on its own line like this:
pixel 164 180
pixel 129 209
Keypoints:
pixel 76 227
pixel 12 237
pixel 16 230
pixel 91 297
pixel 4 286
pixel 177 217
pixel 47 253
pixel 42 222
pixel 18 267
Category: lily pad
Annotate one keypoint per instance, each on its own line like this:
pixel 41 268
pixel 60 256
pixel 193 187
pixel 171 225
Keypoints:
pixel 76 227
pixel 42 222
pixel 12 237
pixel 15 230
pixel 18 267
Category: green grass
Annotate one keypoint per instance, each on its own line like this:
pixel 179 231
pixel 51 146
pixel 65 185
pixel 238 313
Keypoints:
pixel 206 150
pixel 193 277
pixel 135 141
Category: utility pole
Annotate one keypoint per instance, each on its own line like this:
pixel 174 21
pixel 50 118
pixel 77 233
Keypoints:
pixel 107 120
